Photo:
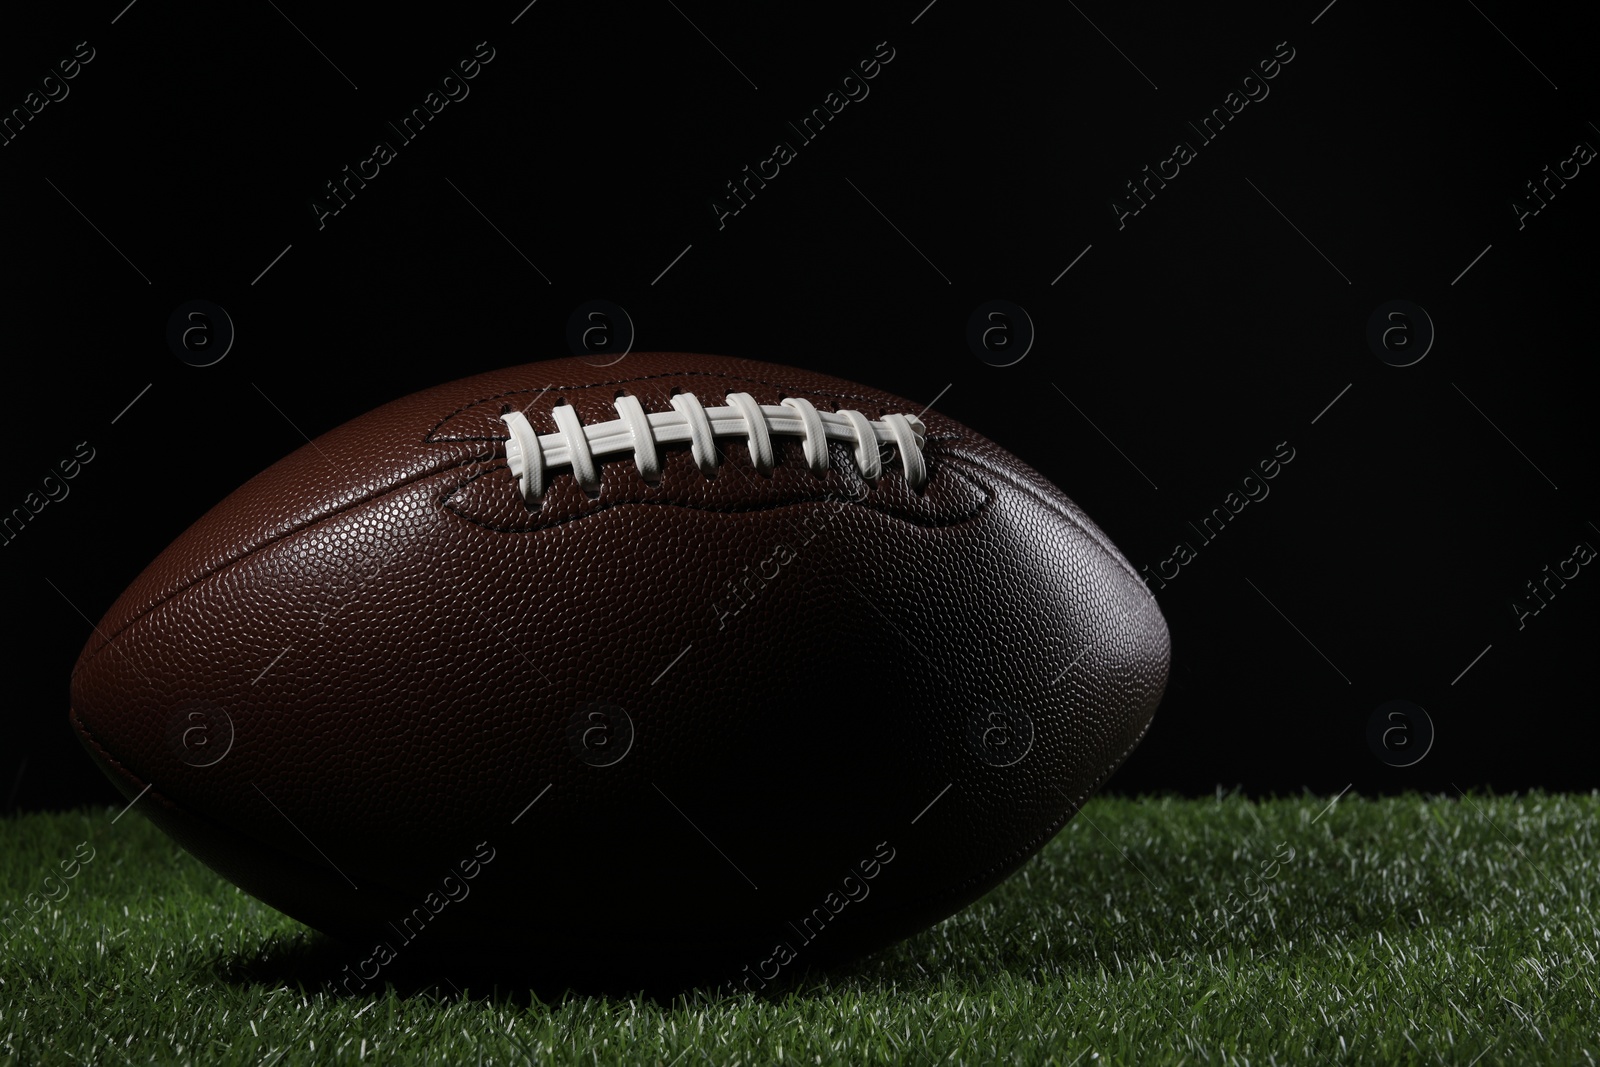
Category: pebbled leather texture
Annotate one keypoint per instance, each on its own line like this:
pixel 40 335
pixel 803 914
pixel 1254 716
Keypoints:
pixel 843 711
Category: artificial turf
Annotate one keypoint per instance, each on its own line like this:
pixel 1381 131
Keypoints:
pixel 1451 930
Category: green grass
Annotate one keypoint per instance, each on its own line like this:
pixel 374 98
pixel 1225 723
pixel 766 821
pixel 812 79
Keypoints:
pixel 1408 930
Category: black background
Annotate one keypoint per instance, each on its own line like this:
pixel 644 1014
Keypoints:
pixel 1179 350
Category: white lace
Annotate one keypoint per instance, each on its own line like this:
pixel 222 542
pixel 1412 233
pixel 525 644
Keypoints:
pixel 534 456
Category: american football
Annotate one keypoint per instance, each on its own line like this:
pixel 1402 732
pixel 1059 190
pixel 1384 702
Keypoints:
pixel 688 668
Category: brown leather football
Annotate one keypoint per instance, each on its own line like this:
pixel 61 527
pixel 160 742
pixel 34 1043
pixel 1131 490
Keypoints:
pixel 686 668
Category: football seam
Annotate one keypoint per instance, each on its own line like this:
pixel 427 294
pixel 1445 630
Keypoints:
pixel 430 438
pixel 222 565
pixel 122 768
pixel 924 523
pixel 1094 534
pixel 191 813
pixel 1005 867
pixel 1023 852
